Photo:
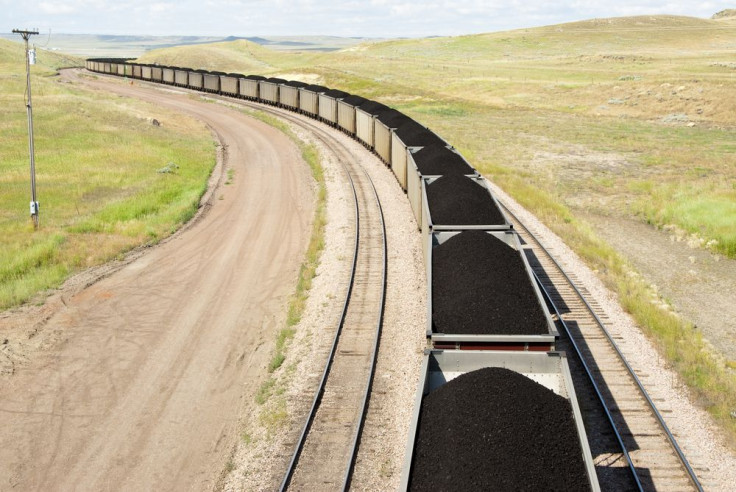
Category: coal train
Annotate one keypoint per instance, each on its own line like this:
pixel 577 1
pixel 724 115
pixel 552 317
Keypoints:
pixel 486 314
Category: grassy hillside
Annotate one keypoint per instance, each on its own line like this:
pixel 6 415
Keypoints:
pixel 97 159
pixel 629 117
pixel 655 95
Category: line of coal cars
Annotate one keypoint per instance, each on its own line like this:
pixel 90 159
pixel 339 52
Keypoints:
pixel 484 308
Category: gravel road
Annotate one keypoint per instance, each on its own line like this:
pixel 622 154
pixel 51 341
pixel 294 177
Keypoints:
pixel 141 383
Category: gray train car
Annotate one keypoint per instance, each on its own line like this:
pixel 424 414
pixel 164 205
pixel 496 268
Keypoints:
pixel 432 161
pixel 551 370
pixel 346 112
pixel 128 69
pixel 157 74
pixel 230 84
pixel 121 69
pixel 181 77
pixel 365 115
pixel 289 94
pixel 410 135
pixel 196 79
pixel 383 125
pixel 515 326
pixel 269 90
pixel 484 202
pixel 138 71
pixel 212 82
pixel 106 67
pixel 249 87
pixel 169 75
pixel 113 68
pixel 327 109
pixel 146 72
pixel 309 99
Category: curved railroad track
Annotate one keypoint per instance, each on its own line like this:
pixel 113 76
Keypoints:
pixel 325 453
pixel 632 446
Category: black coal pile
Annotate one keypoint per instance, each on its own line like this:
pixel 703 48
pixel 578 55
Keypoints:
pixel 392 118
pixel 335 94
pixel 315 88
pixel 437 160
pixel 455 199
pixel 412 134
pixel 353 100
pixel 480 287
pixel 373 107
pixel 495 429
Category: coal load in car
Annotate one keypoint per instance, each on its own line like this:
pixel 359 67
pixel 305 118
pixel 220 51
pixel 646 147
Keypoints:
pixel 413 134
pixel 495 429
pixel 409 135
pixel 458 200
pixel 437 160
pixel 480 286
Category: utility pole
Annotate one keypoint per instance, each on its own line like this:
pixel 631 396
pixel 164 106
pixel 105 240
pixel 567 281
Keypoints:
pixel 34 202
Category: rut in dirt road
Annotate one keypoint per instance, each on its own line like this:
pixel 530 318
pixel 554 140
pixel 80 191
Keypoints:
pixel 157 361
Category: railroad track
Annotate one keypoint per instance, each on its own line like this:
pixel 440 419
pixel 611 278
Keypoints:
pixel 632 446
pixel 325 453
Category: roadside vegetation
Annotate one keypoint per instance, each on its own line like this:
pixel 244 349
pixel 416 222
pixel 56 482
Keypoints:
pixel 108 180
pixel 273 410
pixel 611 118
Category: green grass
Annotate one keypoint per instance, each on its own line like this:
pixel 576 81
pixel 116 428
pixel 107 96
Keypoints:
pixel 98 173
pixel 274 413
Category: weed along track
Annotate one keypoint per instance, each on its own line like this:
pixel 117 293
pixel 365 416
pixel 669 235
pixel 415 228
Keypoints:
pixel 630 441
pixel 326 450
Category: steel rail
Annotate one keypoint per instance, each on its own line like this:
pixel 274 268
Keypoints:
pixel 331 142
pixel 670 437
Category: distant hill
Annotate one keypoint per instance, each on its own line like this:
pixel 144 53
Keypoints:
pixel 725 14
pixel 12 58
pixel 107 45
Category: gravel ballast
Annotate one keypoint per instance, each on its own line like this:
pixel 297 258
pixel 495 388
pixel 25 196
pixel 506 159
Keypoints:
pixel 480 287
pixel 455 199
pixel 495 429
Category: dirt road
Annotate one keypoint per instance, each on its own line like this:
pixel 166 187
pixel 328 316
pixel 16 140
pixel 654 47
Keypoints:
pixel 151 366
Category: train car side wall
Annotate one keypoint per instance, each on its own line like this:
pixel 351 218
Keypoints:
pixel 168 75
pixel 328 109
pixel 212 82
pixel 181 77
pixel 249 89
pixel 346 117
pixel 398 159
pixel 309 102
pixel 382 135
pixel 229 85
pixel 196 81
pixel 289 96
pixel 364 127
pixel 269 92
